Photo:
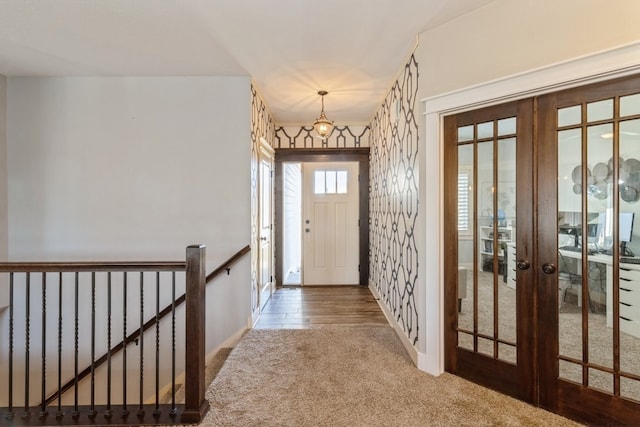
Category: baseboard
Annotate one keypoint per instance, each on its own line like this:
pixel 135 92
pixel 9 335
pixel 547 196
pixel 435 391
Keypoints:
pixel 411 350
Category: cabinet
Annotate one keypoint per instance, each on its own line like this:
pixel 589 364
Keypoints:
pixel 487 251
pixel 630 300
pixel 511 265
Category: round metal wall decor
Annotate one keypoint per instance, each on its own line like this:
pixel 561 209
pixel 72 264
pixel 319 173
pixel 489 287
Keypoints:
pixel 598 179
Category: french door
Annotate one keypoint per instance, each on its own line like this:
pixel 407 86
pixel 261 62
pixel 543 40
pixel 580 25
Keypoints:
pixel 589 286
pixel 489 282
pixel 542 279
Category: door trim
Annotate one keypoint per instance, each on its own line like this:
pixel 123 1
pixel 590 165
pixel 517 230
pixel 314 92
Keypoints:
pixel 360 155
pixel 617 62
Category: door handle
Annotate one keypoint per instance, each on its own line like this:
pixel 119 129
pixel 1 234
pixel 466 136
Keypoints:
pixel 263 239
pixel 307 230
pixel 523 264
pixel 548 268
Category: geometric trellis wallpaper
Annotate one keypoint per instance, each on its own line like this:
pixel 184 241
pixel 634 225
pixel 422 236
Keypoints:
pixel 261 126
pixel 393 201
pixel 304 137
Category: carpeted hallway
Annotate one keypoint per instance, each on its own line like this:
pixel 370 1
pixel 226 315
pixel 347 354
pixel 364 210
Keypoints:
pixel 349 376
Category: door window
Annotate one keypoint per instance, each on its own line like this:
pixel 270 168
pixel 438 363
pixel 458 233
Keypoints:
pixel 330 182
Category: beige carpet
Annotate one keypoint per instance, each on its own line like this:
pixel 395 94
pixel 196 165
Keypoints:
pixel 349 376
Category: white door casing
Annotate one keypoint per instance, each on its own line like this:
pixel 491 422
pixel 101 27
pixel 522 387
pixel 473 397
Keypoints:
pixel 330 223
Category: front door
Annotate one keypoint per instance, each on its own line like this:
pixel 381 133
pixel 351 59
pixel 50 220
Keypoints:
pixel 330 224
pixel 488 277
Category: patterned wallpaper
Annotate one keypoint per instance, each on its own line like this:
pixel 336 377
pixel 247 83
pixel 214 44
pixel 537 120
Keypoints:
pixel 261 125
pixel 393 201
pixel 304 137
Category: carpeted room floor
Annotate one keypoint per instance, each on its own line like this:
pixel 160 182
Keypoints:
pixel 349 376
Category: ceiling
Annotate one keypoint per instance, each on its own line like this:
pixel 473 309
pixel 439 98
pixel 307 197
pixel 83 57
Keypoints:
pixel 291 48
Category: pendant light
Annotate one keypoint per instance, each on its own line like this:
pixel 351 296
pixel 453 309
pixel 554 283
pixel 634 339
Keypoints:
pixel 322 125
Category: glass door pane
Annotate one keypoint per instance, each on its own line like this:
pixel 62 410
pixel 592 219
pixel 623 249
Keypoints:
pixel 486 206
pixel 598 192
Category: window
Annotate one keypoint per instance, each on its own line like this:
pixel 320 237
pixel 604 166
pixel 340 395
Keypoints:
pixel 330 182
pixel 464 202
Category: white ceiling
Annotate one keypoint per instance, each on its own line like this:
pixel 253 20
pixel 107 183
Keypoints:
pixel 291 48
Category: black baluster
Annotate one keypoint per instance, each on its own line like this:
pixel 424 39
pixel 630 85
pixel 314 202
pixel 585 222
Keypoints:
pixel 157 411
pixel 174 410
pixel 107 412
pixel 27 344
pixel 141 336
pixel 59 414
pixel 92 409
pixel 125 411
pixel 76 410
pixel 10 411
pixel 43 408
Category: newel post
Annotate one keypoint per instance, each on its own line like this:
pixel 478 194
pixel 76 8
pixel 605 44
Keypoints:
pixel 195 404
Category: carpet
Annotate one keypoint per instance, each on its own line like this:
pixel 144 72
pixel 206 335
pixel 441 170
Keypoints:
pixel 349 376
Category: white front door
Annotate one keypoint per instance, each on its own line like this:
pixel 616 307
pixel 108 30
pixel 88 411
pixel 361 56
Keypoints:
pixel 265 229
pixel 330 224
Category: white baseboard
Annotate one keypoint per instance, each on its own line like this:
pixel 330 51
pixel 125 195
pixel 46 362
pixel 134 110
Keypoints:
pixel 411 350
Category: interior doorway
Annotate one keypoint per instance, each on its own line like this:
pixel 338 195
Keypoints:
pixel 320 223
pixel 529 186
pixel 348 248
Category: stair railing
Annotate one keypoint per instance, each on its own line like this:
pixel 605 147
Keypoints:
pixel 23 277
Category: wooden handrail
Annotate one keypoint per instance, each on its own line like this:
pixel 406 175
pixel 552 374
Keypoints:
pixel 129 266
pixel 226 266
pixel 55 267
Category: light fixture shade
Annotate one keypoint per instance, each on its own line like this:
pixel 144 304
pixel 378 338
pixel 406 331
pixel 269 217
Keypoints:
pixel 322 125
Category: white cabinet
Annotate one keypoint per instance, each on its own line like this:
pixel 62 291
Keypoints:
pixel 630 300
pixel 511 265
pixel 487 251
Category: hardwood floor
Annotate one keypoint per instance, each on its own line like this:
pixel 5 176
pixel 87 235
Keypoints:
pixel 314 306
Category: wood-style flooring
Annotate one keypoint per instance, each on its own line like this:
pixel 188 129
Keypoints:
pixel 314 306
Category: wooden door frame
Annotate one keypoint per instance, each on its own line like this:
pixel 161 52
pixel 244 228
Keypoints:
pixel 360 155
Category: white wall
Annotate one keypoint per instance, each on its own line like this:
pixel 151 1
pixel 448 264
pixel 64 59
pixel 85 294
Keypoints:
pixel 3 169
pixel 133 168
pixel 511 36
pixel 4 210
